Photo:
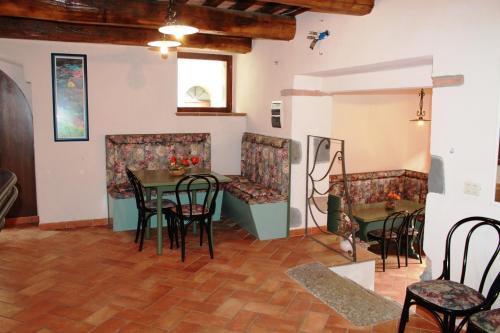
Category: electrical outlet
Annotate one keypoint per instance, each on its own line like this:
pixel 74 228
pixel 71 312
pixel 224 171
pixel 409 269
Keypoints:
pixel 471 188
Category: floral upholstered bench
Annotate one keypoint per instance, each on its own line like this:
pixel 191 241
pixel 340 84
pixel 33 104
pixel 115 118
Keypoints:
pixel 150 152
pixel 372 187
pixel 258 199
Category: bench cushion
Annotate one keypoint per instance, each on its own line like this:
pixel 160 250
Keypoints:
pixel 251 192
pixel 121 191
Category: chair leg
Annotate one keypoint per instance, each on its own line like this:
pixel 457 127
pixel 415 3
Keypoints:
pixel 170 229
pixel 201 232
pixel 397 253
pixel 383 256
pixel 405 314
pixel 406 251
pixel 420 245
pixel 138 231
pixel 209 234
pixel 446 324
pixel 451 325
pixel 183 239
pixel 176 233
pixel 145 220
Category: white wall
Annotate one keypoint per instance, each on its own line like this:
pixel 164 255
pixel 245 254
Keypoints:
pixel 131 90
pixel 305 114
pixel 259 80
pixel 462 38
pixel 378 134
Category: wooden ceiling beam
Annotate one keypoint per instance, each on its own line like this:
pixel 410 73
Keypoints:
pixel 212 3
pixel 68 32
pixel 272 8
pixel 350 7
pixel 151 14
pixel 242 5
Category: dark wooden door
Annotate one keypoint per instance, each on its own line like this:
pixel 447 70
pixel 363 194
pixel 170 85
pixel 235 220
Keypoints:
pixel 16 145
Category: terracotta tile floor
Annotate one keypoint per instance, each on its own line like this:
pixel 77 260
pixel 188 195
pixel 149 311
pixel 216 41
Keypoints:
pixel 94 280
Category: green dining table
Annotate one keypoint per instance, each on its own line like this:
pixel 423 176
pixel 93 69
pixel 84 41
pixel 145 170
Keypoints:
pixel 164 182
pixel 371 216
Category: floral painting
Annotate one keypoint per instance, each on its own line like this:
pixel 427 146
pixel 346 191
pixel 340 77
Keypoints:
pixel 69 93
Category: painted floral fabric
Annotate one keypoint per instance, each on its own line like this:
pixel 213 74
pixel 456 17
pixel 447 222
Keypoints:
pixel 151 152
pixel 372 187
pixel 486 321
pixel 447 294
pixel 265 160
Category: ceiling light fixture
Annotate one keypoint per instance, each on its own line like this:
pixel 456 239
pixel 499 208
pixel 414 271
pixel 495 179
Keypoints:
pixel 172 27
pixel 163 45
pixel 421 113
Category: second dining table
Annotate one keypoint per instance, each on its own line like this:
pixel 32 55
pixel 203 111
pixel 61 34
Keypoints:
pixel 371 216
pixel 163 182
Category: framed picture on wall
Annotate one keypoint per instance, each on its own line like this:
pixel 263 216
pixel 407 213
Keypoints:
pixel 69 97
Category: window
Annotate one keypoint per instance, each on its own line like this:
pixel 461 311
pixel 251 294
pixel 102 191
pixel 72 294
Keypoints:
pixel 204 82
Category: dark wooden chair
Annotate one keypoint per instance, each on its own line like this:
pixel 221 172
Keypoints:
pixel 447 300
pixel 413 233
pixel 390 233
pixel 200 192
pixel 147 209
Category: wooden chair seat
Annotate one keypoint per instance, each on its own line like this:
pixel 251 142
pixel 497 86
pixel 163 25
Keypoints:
pixel 484 322
pixel 166 203
pixel 379 234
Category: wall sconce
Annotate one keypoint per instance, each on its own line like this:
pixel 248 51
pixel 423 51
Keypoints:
pixel 421 113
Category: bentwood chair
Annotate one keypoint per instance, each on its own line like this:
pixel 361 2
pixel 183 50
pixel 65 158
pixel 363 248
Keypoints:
pixel 390 233
pixel 201 192
pixel 146 209
pixel 446 299
pixel 413 232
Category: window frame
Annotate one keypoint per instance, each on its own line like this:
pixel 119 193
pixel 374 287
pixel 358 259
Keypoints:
pixel 229 81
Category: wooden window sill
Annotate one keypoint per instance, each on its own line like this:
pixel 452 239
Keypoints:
pixel 212 114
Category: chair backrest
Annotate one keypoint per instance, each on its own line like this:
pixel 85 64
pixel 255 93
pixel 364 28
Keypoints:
pixel 136 186
pixel 475 222
pixel 417 216
pixel 395 222
pixel 204 186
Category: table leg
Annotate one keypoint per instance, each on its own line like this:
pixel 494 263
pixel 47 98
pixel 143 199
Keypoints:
pixel 411 250
pixel 159 222
pixel 148 225
pixel 194 203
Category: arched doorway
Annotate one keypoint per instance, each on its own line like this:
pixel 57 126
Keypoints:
pixel 16 145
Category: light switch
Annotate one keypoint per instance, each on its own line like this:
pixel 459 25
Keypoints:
pixel 471 188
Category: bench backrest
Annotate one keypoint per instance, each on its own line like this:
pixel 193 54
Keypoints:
pixel 266 160
pixel 151 152
pixel 371 187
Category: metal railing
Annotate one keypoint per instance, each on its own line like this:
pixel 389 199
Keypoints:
pixel 324 155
